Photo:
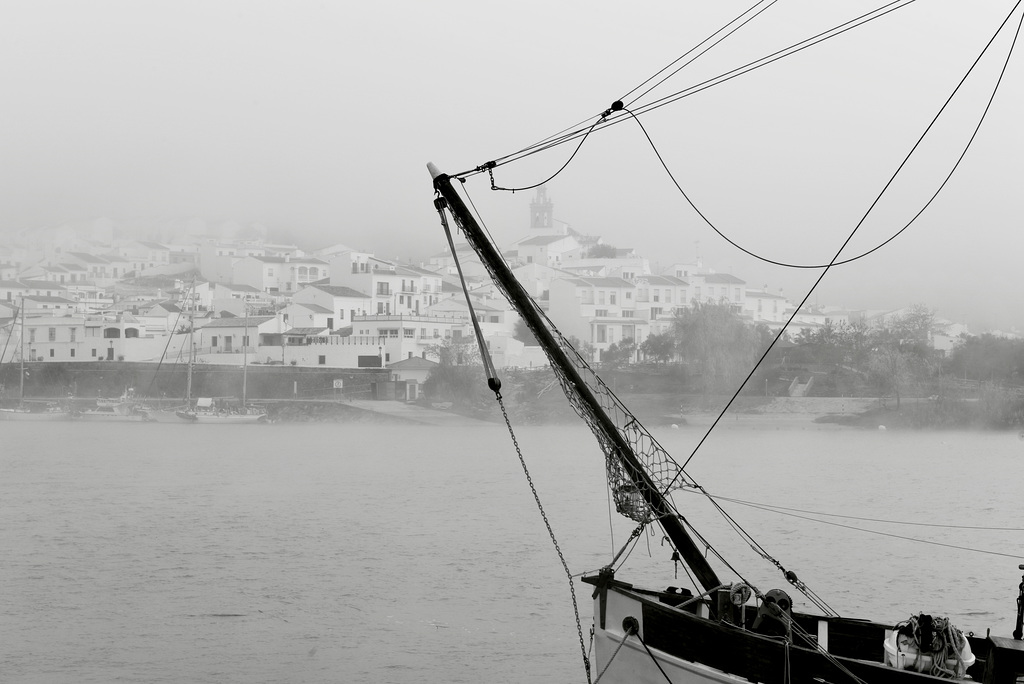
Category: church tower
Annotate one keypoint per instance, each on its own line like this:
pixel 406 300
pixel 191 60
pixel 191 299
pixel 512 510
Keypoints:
pixel 541 209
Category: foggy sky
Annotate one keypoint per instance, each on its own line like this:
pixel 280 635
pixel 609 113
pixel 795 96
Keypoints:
pixel 316 119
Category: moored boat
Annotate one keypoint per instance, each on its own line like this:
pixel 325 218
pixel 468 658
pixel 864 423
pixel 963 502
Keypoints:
pixel 725 628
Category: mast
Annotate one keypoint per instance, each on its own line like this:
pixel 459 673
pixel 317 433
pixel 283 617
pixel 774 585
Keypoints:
pixel 520 300
pixel 245 352
pixel 191 344
pixel 21 343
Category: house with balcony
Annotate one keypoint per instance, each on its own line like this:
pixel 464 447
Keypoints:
pixel 301 271
pixel 394 289
pixel 232 298
pixel 76 338
pixel 599 311
pixel 340 303
pixel 660 296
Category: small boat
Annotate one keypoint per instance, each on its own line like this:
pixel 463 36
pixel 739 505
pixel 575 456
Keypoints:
pixel 218 410
pixel 723 629
pixel 34 411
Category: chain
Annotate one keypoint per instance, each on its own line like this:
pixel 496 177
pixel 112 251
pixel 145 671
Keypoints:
pixel 551 533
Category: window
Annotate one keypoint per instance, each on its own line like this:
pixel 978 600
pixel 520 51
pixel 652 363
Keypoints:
pixel 629 295
pixel 330 323
pixel 51 353
pixel 213 341
pixel 408 333
pixel 655 312
pixel 628 313
pixel 72 353
pixel 668 296
pixel 611 298
pixel 31 335
pixel 94 353
pixel 322 360
pixel 657 295
pixel 601 313
pixel 602 334
pixel 73 334
pixel 600 296
pixel 51 334
pixel 382 289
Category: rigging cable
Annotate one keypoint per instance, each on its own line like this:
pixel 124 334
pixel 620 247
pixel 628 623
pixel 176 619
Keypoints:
pixel 835 259
pixel 547 142
pixel 697 56
pixel 892 179
pixel 885 534
pixel 495 385
pixel 732 399
pixel 559 139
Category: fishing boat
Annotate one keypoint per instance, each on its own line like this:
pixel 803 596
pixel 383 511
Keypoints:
pixel 725 628
pixel 123 409
pixel 29 410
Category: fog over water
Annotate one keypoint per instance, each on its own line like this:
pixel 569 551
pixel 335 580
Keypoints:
pixel 314 121
pixel 327 553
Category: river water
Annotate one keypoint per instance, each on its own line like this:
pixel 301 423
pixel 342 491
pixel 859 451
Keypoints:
pixel 372 553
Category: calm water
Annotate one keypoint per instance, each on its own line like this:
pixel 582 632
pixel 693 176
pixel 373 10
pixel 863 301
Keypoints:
pixel 363 553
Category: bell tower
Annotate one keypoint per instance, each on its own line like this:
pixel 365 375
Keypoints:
pixel 541 209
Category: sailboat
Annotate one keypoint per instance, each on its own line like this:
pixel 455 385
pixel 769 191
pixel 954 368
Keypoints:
pixel 219 410
pixel 29 411
pixel 723 630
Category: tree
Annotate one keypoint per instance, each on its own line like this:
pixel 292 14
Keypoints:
pixel 601 252
pixel 660 347
pixel 619 353
pixel 459 375
pixel 717 343
pixel 891 371
pixel 584 349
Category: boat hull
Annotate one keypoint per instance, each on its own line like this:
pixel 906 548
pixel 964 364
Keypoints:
pixel 39 416
pixel 692 648
pixel 220 418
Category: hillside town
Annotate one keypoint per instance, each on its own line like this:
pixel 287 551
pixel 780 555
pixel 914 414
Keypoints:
pixel 89 294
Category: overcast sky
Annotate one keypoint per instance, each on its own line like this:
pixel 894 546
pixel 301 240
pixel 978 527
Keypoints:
pixel 316 119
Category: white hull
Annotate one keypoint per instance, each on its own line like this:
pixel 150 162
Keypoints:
pixel 17 414
pixel 109 417
pixel 223 419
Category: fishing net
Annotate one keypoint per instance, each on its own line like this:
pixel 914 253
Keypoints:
pixel 663 471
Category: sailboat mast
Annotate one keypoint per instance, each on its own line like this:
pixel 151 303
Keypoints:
pixel 670 522
pixel 245 352
pixel 191 344
pixel 21 343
